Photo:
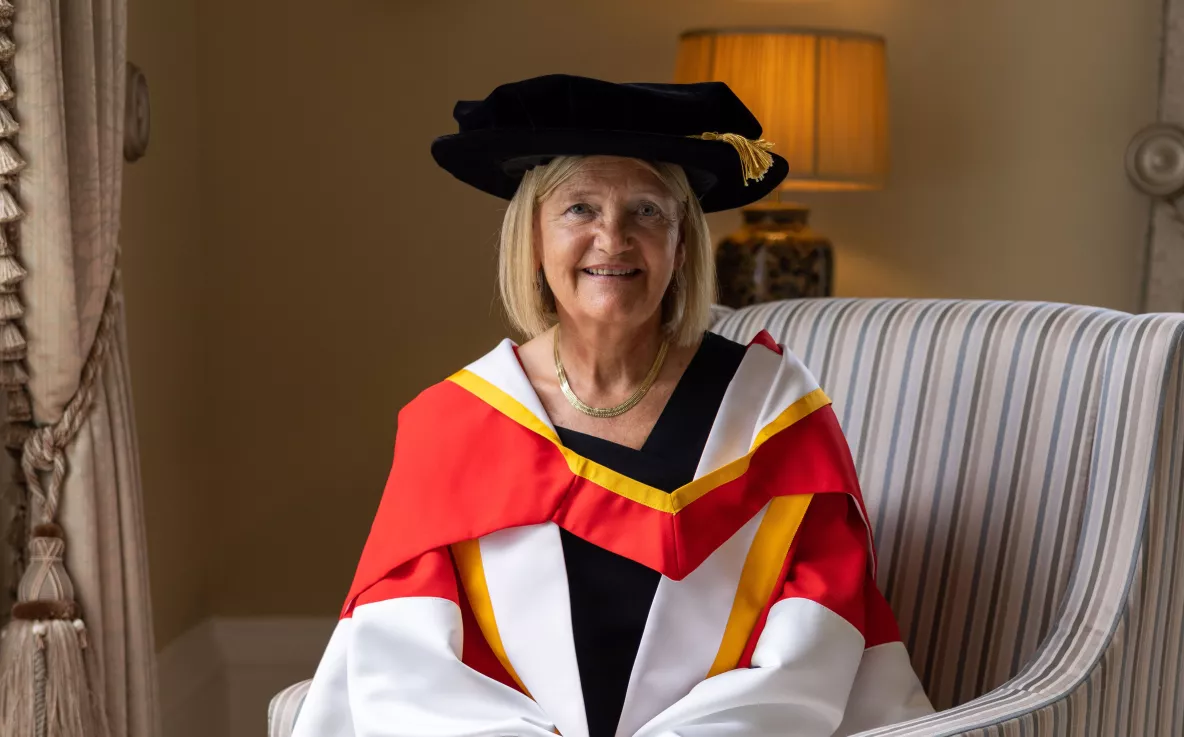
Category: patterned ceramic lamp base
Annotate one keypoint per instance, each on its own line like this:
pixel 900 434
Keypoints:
pixel 775 255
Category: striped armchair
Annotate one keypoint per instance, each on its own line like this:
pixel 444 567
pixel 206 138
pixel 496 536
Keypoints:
pixel 1023 465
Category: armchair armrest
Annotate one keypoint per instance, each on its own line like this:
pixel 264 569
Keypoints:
pixel 283 709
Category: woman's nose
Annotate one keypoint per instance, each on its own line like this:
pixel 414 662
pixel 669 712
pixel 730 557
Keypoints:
pixel 614 236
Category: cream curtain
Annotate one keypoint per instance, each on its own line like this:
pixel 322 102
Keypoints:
pixel 69 74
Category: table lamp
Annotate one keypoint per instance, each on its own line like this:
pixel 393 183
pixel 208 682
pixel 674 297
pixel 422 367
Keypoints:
pixel 822 98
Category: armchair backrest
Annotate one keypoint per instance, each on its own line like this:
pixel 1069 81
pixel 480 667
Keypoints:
pixel 1007 453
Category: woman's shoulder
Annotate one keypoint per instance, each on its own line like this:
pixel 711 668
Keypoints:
pixel 716 344
pixel 763 340
pixel 446 399
pixel 715 360
pixel 766 362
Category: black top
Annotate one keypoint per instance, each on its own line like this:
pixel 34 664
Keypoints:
pixel 611 595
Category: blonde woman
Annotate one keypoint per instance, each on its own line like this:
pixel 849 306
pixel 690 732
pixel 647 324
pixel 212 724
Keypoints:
pixel 626 525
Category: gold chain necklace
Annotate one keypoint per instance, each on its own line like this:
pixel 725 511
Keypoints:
pixel 621 408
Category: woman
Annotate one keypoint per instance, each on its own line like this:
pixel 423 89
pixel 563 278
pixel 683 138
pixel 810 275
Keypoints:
pixel 626 525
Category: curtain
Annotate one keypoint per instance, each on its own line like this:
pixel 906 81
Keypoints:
pixel 69 76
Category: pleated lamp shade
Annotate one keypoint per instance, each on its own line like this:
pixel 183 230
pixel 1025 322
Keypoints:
pixel 821 96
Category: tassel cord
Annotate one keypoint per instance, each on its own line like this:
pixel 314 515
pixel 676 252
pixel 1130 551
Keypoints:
pixel 755 158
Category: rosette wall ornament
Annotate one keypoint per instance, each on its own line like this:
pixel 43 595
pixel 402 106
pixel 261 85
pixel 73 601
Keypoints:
pixel 1155 165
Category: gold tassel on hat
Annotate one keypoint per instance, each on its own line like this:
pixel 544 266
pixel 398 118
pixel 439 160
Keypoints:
pixel 754 155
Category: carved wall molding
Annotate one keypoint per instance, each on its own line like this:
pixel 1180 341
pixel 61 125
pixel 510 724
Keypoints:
pixel 137 126
pixel 1155 164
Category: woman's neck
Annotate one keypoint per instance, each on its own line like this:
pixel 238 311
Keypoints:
pixel 607 359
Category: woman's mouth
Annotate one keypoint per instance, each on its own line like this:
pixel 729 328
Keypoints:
pixel 611 272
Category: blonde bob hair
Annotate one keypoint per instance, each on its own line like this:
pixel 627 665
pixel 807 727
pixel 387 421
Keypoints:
pixel 529 304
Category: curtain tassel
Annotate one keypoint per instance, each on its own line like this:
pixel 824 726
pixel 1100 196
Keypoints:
pixel 47 668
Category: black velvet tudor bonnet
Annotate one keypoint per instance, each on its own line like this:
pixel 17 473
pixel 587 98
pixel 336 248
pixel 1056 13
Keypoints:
pixel 702 127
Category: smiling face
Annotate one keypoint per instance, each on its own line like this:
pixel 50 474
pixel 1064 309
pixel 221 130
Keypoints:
pixel 608 239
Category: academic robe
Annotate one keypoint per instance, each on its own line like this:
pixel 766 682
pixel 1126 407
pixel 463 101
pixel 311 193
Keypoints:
pixel 766 619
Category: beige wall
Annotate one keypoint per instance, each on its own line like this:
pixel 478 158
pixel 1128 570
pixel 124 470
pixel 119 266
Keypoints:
pixel 163 263
pixel 344 272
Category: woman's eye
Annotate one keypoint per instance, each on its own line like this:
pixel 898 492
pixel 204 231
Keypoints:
pixel 579 209
pixel 648 209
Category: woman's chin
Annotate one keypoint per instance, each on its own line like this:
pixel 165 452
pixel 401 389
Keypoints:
pixel 616 315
